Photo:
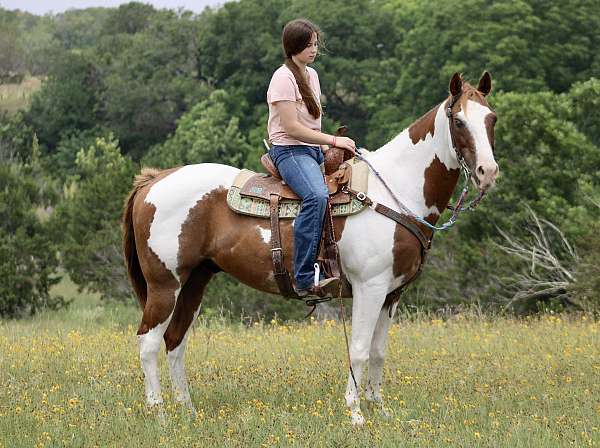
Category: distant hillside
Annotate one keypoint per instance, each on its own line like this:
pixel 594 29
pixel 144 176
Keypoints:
pixel 16 96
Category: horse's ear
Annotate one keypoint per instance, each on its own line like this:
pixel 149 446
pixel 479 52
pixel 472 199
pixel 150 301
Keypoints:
pixel 485 83
pixel 456 83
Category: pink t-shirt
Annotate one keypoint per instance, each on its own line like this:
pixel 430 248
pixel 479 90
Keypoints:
pixel 283 87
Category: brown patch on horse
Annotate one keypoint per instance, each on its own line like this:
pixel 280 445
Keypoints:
pixel 132 263
pixel 188 302
pixel 207 235
pixel 423 126
pixel 439 184
pixel 406 253
pixel 213 232
pixel 407 257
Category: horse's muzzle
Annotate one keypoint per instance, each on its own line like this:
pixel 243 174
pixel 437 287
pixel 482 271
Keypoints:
pixel 485 175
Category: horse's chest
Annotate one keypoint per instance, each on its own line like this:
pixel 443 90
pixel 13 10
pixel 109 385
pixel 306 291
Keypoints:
pixel 366 245
pixel 375 246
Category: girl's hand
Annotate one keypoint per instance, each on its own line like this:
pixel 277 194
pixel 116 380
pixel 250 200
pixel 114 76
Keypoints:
pixel 345 143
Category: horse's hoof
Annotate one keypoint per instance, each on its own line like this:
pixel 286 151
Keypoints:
pixel 161 414
pixel 357 419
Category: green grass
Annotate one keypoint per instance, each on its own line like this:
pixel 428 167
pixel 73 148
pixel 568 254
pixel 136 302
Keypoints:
pixel 14 97
pixel 72 378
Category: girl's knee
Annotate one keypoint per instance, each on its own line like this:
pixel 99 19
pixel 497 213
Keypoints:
pixel 318 196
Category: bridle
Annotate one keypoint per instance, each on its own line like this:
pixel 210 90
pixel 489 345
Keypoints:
pixel 458 207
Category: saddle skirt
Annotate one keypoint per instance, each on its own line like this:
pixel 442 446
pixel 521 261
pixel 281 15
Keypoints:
pixel 250 192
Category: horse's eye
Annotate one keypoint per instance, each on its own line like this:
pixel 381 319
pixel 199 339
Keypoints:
pixel 458 123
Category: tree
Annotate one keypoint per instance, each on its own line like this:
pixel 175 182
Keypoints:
pixel 67 100
pixel 86 222
pixel 11 55
pixel 81 28
pixel 207 133
pixel 129 18
pixel 62 163
pixel 149 81
pixel 28 261
pixel 16 139
pixel 528 45
pixel 585 100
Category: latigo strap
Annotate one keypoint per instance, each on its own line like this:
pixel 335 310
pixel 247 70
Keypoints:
pixel 282 276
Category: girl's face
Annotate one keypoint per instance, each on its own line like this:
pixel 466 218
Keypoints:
pixel 308 55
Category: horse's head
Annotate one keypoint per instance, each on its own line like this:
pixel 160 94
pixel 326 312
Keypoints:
pixel 471 122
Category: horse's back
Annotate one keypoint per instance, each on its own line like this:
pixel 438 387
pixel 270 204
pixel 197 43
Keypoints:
pixel 188 184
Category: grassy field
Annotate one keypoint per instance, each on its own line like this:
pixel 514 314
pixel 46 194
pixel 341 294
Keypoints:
pixel 16 96
pixel 72 378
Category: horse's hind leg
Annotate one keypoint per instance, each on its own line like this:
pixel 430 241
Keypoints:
pixel 186 311
pixel 155 320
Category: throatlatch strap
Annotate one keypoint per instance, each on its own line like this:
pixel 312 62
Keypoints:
pixel 282 276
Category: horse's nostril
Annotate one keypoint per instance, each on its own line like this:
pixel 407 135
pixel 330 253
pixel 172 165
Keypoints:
pixel 480 170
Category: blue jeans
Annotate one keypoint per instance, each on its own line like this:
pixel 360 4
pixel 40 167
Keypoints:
pixel 299 166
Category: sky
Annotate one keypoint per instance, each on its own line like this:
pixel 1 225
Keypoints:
pixel 41 7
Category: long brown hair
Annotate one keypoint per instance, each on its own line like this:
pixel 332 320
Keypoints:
pixel 296 37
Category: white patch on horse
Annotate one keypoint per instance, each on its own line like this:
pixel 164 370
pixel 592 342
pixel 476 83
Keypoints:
pixel 149 346
pixel 402 164
pixel 474 115
pixel 174 196
pixel 265 234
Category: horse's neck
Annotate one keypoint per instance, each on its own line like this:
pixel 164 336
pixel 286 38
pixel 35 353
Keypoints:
pixel 419 166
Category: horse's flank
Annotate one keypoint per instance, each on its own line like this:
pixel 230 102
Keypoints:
pixel 134 271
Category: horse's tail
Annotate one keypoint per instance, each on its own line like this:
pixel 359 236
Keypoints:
pixel 132 262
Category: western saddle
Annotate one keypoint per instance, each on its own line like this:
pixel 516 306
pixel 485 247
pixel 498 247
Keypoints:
pixel 272 188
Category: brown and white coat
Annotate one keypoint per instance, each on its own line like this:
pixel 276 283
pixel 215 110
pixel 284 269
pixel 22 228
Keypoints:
pixel 179 232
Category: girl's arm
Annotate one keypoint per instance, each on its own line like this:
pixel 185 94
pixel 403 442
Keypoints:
pixel 289 121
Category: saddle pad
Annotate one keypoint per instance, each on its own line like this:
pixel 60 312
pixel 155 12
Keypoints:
pixel 288 208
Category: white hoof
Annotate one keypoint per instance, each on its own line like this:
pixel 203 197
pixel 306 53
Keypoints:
pixel 357 418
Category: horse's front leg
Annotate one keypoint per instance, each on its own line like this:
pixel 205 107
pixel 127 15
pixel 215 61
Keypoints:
pixel 376 358
pixel 367 302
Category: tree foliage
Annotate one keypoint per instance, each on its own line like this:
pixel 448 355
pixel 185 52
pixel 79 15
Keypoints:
pixel 206 133
pixel 28 260
pixel 67 101
pixel 176 88
pixel 86 222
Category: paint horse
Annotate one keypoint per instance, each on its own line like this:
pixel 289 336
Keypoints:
pixel 179 232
